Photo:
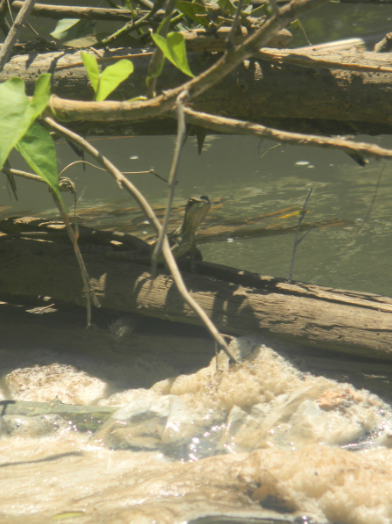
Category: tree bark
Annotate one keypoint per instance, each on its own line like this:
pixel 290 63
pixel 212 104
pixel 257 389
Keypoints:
pixel 287 96
pixel 238 302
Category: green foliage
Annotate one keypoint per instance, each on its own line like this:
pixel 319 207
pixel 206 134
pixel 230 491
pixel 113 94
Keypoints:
pixel 37 148
pixel 227 6
pixel 85 41
pixel 173 48
pixel 17 112
pixel 262 10
pixel 70 28
pixel 194 11
pixel 107 81
pixel 67 515
pixel 18 129
pixel 91 65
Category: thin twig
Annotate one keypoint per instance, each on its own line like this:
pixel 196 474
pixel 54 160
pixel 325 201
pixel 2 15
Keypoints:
pixel 24 174
pixel 58 12
pixel 372 202
pixel 157 57
pixel 38 36
pixel 296 241
pixel 172 180
pixel 6 48
pixel 9 11
pixel 241 127
pixel 73 235
pixel 130 26
pixel 122 181
pixel 270 149
pixel 230 38
pixel 149 172
pixel 3 13
pixel 274 7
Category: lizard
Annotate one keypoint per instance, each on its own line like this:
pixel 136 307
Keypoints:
pixel 182 240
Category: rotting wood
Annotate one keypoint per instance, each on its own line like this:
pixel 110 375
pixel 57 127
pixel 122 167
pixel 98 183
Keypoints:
pixel 356 323
pixel 259 90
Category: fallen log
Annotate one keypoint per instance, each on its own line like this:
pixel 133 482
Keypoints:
pixel 290 90
pixel 239 302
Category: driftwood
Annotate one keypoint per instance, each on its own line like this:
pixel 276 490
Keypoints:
pixel 238 302
pixel 272 93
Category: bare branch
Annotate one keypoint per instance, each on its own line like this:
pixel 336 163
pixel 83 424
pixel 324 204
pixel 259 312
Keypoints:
pixel 57 12
pixel 73 235
pixel 152 108
pixel 122 181
pixel 172 180
pixel 296 241
pixel 24 174
pixel 157 57
pixel 233 30
pixel 239 127
pixel 6 48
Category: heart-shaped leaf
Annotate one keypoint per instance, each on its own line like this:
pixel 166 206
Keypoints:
pixel 112 77
pixel 173 48
pixel 17 113
pixel 194 11
pixel 70 28
pixel 107 81
pixel 90 63
pixel 37 148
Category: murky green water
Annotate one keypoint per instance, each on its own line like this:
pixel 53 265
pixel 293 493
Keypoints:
pixel 355 255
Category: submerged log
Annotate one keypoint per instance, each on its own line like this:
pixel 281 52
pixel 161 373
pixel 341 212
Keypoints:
pixel 239 302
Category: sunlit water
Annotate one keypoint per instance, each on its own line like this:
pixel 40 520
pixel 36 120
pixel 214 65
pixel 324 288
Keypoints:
pixel 254 180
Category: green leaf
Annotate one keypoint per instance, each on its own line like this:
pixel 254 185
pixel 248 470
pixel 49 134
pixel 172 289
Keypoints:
pixel 157 72
pixel 112 77
pixel 84 42
pixel 192 9
pixel 107 81
pixel 70 28
pixel 41 94
pixel 138 98
pixel 173 48
pixel 227 6
pixel 37 148
pixel 259 11
pixel 68 515
pixel 91 65
pixel 17 113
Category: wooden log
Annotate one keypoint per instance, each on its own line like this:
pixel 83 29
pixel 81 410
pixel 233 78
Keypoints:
pixel 356 323
pixel 288 96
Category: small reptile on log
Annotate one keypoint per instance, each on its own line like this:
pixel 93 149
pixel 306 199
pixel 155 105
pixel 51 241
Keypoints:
pixel 127 247
pixel 182 240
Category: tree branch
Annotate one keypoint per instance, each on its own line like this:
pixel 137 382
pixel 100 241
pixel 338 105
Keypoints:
pixel 145 206
pixel 160 104
pixel 239 127
pixel 6 48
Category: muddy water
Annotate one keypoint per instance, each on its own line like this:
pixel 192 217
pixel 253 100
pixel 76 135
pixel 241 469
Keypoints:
pixel 355 255
pixel 261 439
